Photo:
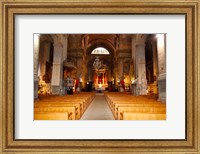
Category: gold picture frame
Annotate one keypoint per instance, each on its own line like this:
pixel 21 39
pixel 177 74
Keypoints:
pixel 190 8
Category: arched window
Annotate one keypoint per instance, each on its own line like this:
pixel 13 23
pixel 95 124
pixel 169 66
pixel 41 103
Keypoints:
pixel 100 51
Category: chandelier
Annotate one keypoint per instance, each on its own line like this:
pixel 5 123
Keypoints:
pixel 97 63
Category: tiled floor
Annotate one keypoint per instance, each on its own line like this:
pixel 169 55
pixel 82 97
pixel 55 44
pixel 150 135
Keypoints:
pixel 98 109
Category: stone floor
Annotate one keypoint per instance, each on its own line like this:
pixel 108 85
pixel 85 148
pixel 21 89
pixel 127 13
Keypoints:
pixel 98 109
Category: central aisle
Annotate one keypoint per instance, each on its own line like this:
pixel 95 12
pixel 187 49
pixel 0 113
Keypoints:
pixel 98 109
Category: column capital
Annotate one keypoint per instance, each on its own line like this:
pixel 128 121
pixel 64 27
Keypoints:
pixel 46 43
pixel 140 44
pixel 162 76
pixel 56 63
pixel 38 35
pixel 58 44
pixel 133 37
pixel 66 35
pixel 36 78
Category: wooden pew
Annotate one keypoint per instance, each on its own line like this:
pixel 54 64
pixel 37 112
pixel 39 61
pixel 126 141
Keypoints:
pixel 136 105
pixel 114 104
pixel 128 99
pixel 140 109
pixel 64 102
pixel 77 106
pixel 79 101
pixel 116 100
pixel 51 116
pixel 71 110
pixel 85 102
pixel 143 116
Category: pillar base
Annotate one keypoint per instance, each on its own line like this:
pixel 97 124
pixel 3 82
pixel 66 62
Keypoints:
pixel 57 90
pixel 142 87
pixel 162 88
pixel 120 89
pixel 155 87
pixel 134 89
pixel 35 89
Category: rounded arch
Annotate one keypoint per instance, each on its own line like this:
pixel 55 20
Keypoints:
pixel 101 43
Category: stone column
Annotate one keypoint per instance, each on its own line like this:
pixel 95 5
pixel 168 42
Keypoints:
pixel 134 55
pixel 90 72
pixel 84 61
pixel 84 71
pixel 155 67
pixel 133 78
pixel 141 70
pixel 109 75
pixel 79 65
pixel 155 59
pixel 120 73
pixel 115 71
pixel 65 46
pixel 36 62
pixel 57 77
pixel 64 55
pixel 43 57
pixel 120 68
pixel 161 67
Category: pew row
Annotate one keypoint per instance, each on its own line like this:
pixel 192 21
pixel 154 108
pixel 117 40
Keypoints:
pixel 74 105
pixel 139 106
pixel 70 110
pixel 124 103
pixel 141 109
pixel 143 116
pixel 58 105
pixel 51 116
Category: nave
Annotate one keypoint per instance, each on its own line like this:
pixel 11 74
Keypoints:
pixel 99 106
pixel 98 109
pixel 100 76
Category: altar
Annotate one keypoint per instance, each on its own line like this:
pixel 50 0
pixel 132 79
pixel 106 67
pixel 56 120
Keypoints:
pixel 100 75
pixel 100 87
pixel 100 80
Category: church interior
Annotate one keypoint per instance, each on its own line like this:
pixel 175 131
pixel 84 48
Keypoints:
pixel 99 76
